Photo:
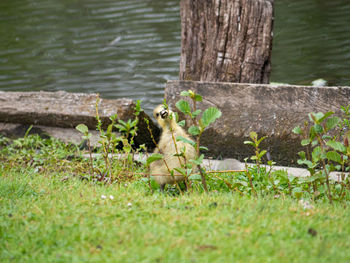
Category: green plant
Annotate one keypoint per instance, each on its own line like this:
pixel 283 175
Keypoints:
pixel 35 152
pixel 255 142
pixel 129 128
pixel 327 142
pixel 199 124
pixel 109 142
pixel 86 136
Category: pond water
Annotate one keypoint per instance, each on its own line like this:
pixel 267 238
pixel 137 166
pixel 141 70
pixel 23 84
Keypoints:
pixel 129 48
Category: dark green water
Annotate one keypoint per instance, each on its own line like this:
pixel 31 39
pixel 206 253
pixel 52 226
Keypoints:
pixel 130 48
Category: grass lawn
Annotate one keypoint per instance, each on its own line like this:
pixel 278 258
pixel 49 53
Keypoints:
pixel 46 219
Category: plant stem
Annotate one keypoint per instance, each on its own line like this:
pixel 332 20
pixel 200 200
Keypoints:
pixel 204 182
pixel 325 169
pixel 327 181
pixel 250 180
pixel 91 162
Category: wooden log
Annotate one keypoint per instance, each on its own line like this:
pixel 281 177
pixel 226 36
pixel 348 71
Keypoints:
pixel 67 110
pixel 269 110
pixel 226 40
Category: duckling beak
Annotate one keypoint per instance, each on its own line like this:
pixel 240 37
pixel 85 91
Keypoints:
pixel 164 113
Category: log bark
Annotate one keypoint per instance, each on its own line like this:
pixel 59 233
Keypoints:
pixel 269 110
pixel 226 40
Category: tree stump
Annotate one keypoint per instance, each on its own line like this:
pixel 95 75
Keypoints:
pixel 226 40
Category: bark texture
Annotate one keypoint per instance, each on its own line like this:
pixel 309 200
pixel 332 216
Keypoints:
pixel 226 40
pixel 269 110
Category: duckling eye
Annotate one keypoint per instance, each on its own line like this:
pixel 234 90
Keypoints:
pixel 157 114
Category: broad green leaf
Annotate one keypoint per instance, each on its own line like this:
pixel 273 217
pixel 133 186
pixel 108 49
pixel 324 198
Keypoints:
pixel 210 115
pixel 154 157
pixel 316 154
pixel 203 148
pixel 314 117
pixel 302 155
pixel 199 160
pixel 174 115
pixel 297 130
pixel 120 127
pixel 262 153
pixel 253 135
pixel 261 139
pixel 182 123
pixel 185 94
pixel 194 130
pixel 334 156
pixel 122 122
pixel 134 123
pixel 109 129
pixel 319 117
pixel 250 143
pixel 181 171
pixel 305 142
pixel 332 122
pixel 113 117
pixel 271 162
pixel 326 137
pixel 185 140
pixel 195 177
pixel 82 128
pixel 183 106
pixel 189 167
pixel 312 133
pixel 318 128
pixel 338 167
pixel 326 115
pixel 306 162
pixel 196 113
pixel 338 146
pixel 198 97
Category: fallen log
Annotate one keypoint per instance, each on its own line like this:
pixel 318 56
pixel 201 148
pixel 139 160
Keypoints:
pixel 66 110
pixel 269 110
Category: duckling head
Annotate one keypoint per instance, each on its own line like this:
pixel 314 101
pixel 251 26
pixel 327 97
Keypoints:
pixel 161 114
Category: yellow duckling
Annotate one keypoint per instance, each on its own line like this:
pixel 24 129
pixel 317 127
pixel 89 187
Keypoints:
pixel 171 130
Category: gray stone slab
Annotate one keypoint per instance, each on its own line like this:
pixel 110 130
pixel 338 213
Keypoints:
pixel 269 110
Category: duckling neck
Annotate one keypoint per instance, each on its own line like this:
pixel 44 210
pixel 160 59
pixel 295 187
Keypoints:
pixel 170 125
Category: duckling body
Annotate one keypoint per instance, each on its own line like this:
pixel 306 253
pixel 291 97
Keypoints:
pixel 166 146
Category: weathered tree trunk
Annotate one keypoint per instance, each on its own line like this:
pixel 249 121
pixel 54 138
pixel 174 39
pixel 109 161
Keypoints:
pixel 226 40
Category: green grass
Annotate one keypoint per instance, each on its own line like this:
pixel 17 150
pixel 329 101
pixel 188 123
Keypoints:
pixel 46 219
pixel 48 213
